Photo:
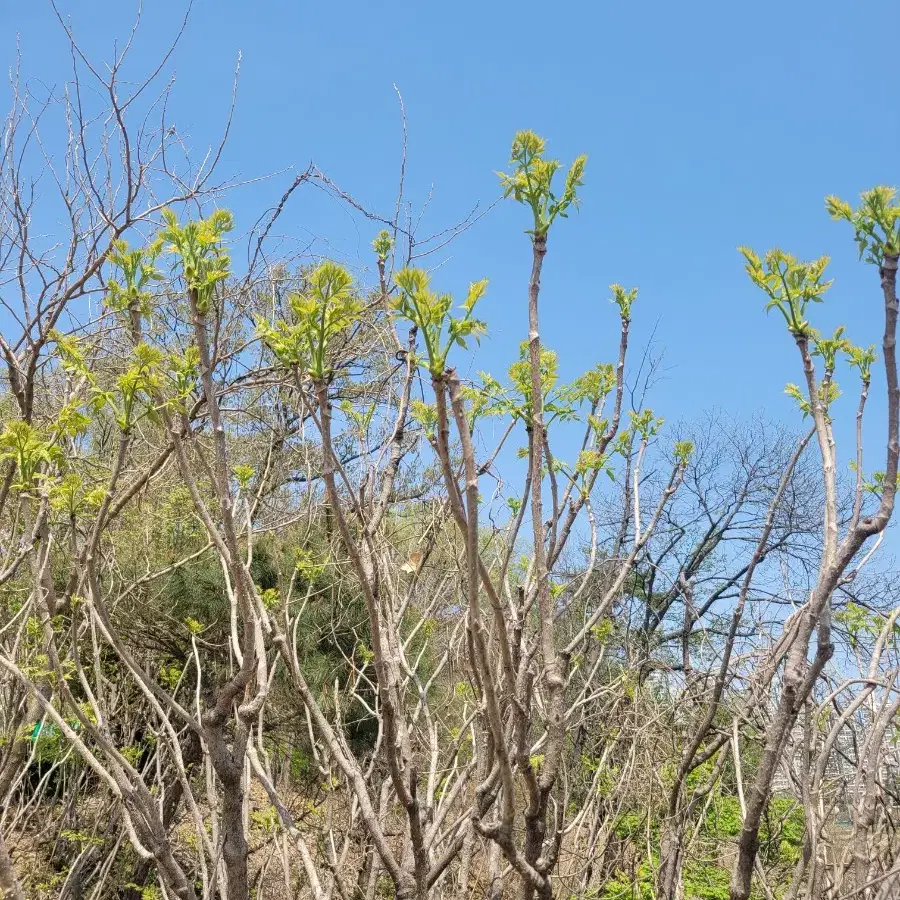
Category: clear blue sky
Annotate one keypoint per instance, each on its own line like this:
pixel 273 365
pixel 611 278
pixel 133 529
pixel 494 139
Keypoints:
pixel 707 125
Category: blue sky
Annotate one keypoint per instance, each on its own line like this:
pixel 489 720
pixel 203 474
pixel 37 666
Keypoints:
pixel 707 125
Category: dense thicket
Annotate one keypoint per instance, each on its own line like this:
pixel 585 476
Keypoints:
pixel 277 619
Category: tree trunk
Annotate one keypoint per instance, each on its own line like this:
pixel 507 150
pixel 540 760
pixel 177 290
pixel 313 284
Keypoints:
pixel 9 884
